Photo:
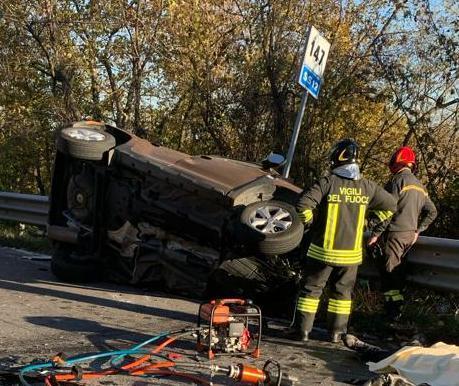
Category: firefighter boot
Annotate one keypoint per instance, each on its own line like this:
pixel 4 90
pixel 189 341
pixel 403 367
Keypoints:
pixel 337 337
pixel 337 325
pixel 301 327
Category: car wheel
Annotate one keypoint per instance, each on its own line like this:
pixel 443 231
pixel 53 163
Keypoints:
pixel 85 143
pixel 70 267
pixel 273 227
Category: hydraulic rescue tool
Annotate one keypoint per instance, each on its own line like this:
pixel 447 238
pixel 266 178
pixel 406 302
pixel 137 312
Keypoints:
pixel 140 361
pixel 229 327
pixel 270 375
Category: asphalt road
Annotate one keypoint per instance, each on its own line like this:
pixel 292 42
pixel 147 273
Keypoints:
pixel 40 316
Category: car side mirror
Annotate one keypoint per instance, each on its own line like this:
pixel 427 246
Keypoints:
pixel 273 160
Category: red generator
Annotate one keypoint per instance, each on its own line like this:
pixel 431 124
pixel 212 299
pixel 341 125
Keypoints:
pixel 229 327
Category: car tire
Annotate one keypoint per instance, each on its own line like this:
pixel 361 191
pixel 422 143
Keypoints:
pixel 85 143
pixel 271 227
pixel 68 266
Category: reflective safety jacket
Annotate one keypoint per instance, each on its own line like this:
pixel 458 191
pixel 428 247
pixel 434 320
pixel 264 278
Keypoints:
pixel 413 203
pixel 342 205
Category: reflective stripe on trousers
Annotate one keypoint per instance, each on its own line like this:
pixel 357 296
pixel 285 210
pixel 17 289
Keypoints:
pixel 310 305
pixel 337 306
pixel 307 304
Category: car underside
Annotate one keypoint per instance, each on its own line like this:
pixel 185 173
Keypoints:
pixel 127 210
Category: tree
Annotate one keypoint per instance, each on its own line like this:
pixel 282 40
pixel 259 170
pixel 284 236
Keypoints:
pixel 219 76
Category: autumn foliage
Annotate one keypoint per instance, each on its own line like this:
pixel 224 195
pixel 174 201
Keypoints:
pixel 219 76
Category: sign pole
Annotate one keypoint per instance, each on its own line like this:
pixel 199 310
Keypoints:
pixel 310 78
pixel 296 131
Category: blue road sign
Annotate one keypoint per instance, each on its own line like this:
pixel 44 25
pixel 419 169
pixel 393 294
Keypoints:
pixel 310 81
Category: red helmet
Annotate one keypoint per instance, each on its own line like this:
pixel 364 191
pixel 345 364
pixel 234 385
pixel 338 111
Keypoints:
pixel 402 157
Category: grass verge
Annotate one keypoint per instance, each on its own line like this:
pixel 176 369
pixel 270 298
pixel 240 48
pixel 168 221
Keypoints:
pixel 29 237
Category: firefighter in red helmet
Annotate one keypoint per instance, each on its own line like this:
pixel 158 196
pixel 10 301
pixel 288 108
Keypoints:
pixel 415 212
pixel 336 207
pixel 403 157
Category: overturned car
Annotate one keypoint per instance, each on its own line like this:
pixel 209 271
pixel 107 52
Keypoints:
pixel 126 209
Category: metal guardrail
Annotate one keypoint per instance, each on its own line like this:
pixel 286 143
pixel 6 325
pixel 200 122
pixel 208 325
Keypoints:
pixel 433 261
pixel 24 208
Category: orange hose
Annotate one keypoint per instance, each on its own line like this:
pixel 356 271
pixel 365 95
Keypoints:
pixel 148 356
pixel 133 368
pixel 154 369
pixel 162 345
pixel 152 366
pixel 88 375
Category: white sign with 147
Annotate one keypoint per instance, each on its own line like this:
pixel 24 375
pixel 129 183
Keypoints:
pixel 314 60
